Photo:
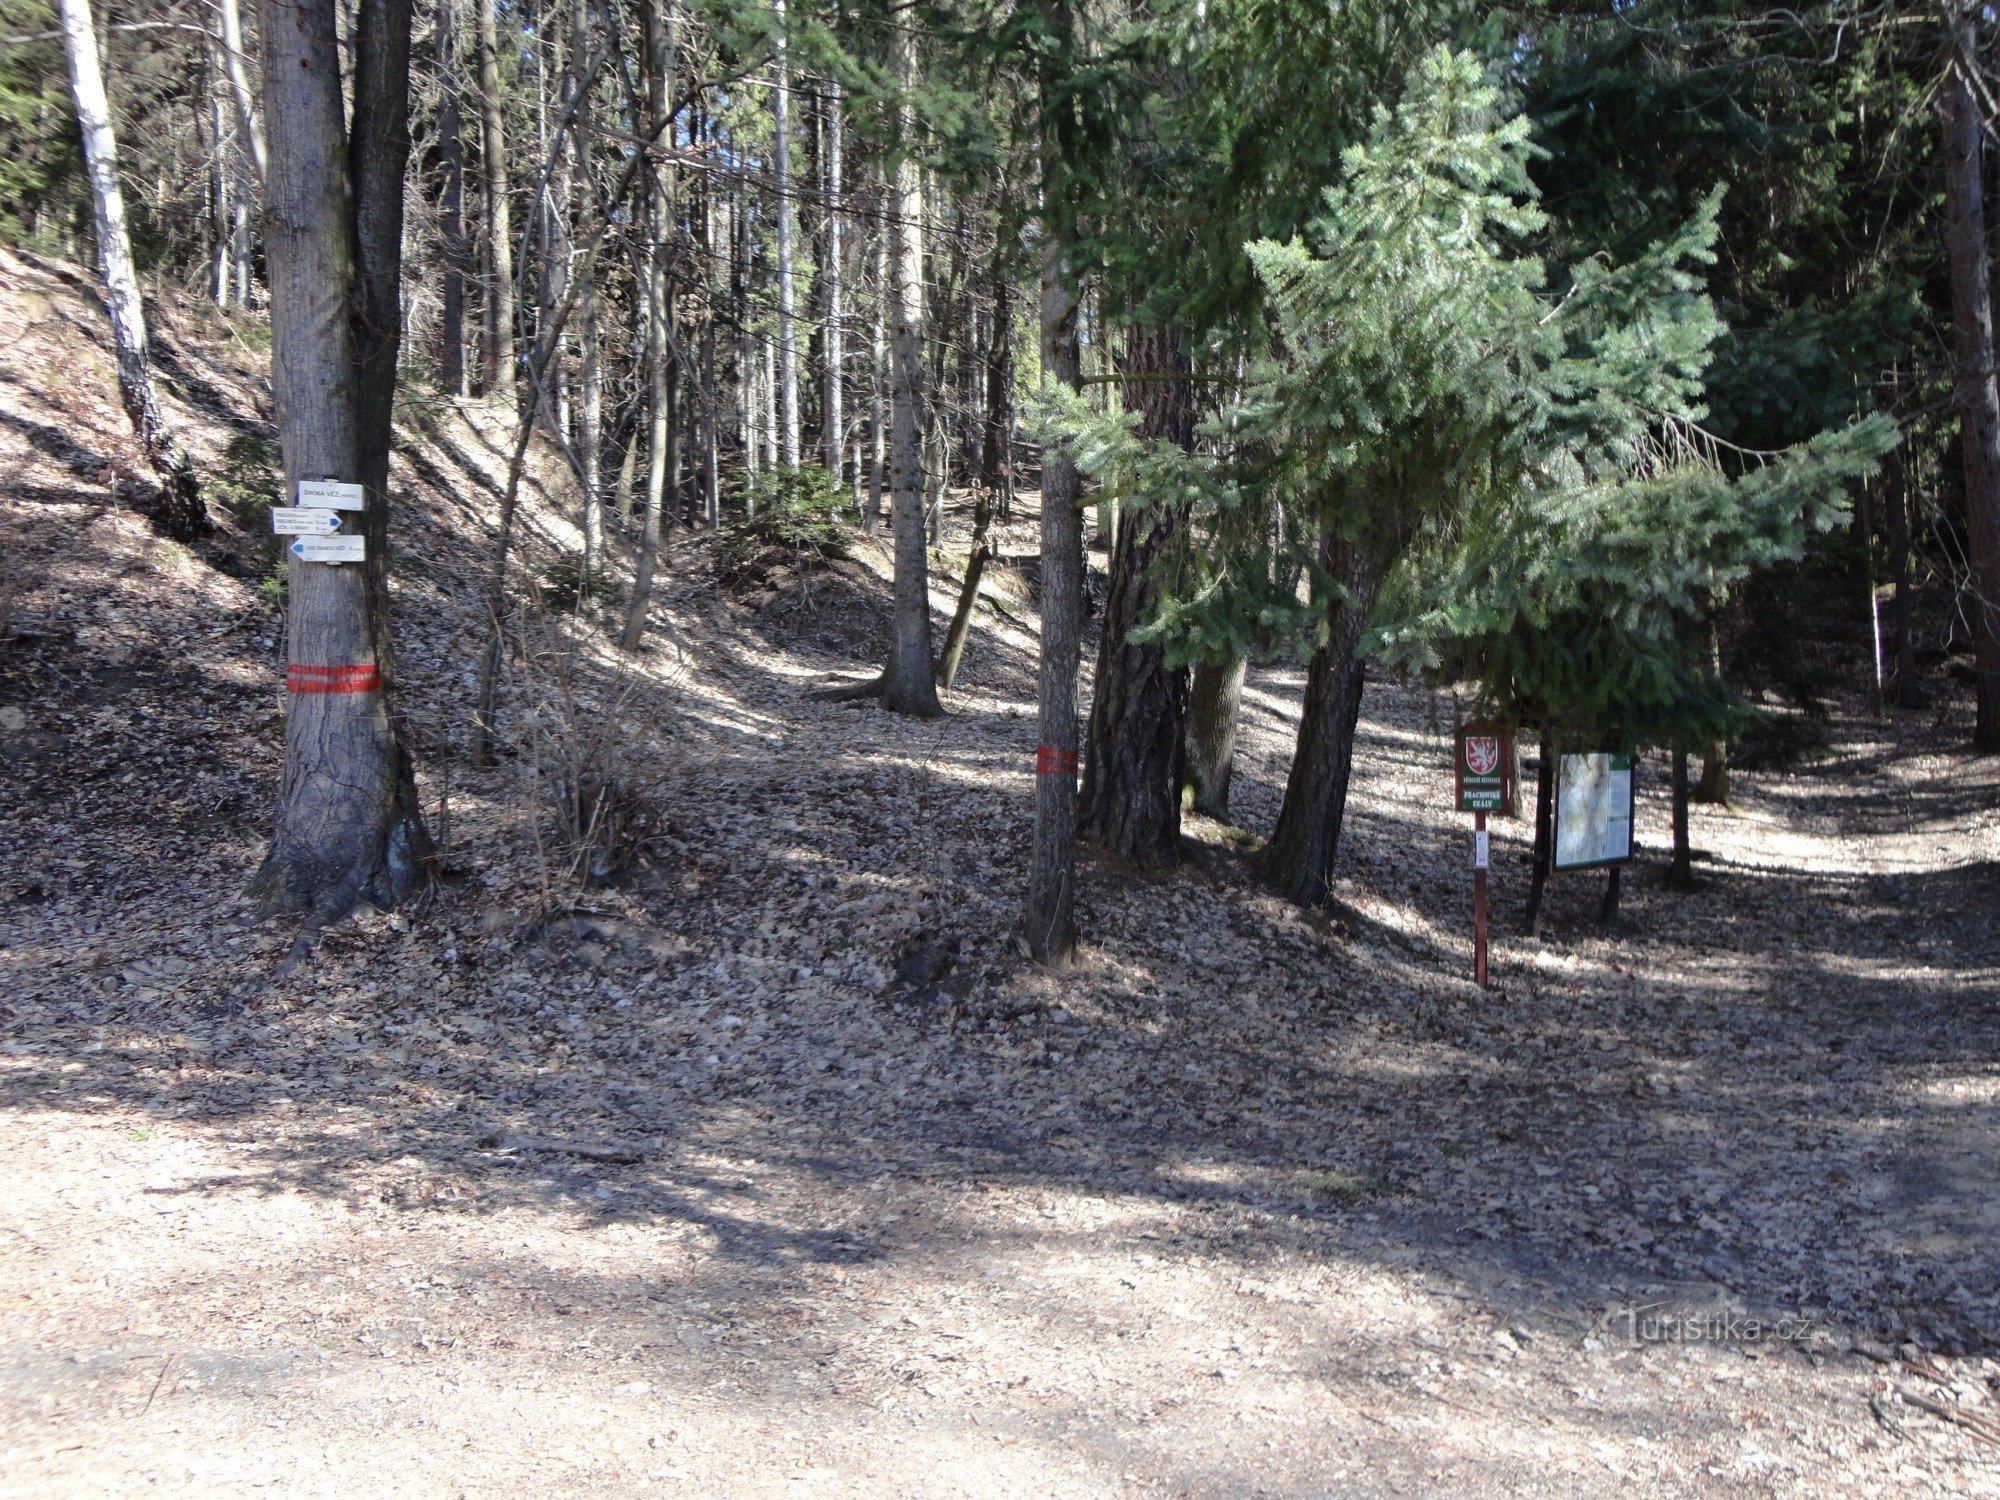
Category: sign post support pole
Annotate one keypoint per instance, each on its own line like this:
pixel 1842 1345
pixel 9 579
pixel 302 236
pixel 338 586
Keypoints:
pixel 1483 782
pixel 1479 848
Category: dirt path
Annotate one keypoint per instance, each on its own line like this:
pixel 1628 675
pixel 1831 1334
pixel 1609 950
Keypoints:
pixel 684 1191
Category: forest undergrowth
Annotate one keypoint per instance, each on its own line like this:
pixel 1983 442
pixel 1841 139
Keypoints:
pixel 705 1132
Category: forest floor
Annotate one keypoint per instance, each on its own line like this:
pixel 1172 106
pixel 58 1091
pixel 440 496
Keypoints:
pixel 771 1168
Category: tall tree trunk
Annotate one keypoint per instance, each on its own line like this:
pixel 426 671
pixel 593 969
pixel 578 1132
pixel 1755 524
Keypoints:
pixel 1909 689
pixel 711 406
pixel 590 374
pixel 500 373
pixel 878 381
pixel 221 182
pixel 233 61
pixel 348 827
pixel 241 237
pixel 995 455
pixel 182 513
pixel 663 441
pixel 1681 873
pixel 1298 862
pixel 451 201
pixel 1713 788
pixel 907 684
pixel 788 334
pixel 1131 801
pixel 1972 337
pixel 1049 918
pixel 1215 698
pixel 834 425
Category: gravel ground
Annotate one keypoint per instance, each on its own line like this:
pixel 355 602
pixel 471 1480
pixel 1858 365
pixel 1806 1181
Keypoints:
pixel 771 1168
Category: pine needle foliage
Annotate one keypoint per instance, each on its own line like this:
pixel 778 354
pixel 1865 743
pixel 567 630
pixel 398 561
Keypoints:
pixel 1517 453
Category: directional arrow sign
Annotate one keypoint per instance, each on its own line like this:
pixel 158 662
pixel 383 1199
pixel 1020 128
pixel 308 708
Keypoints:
pixel 330 494
pixel 330 549
pixel 294 520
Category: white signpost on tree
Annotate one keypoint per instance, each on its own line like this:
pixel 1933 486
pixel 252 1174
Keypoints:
pixel 331 494
pixel 296 520
pixel 330 549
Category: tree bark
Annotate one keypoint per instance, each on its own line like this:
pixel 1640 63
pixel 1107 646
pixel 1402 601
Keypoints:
pixel 1978 393
pixel 1298 862
pixel 500 374
pixel 968 596
pixel 1908 687
pixel 1713 788
pixel 348 827
pixel 996 458
pixel 1215 698
pixel 871 518
pixel 1131 801
pixel 590 372
pixel 233 60
pixel 663 440
pixel 1049 919
pixel 182 512
pixel 833 424
pixel 451 202
pixel 788 335
pixel 907 682
pixel 1681 873
pixel 221 184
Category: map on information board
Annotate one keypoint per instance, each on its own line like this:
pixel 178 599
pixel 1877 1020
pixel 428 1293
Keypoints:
pixel 1593 810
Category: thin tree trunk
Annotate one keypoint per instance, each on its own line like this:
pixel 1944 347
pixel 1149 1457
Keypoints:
pixel 788 335
pixel 1131 800
pixel 1298 862
pixel 1681 873
pixel 182 513
pixel 1713 788
pixel 907 682
pixel 1215 698
pixel 834 426
pixel 221 183
pixel 500 374
pixel 663 439
pixel 590 375
pixel 451 201
pixel 968 596
pixel 1049 918
pixel 1977 391
pixel 241 243
pixel 1544 852
pixel 348 826
pixel 1909 689
pixel 872 518
pixel 995 459
pixel 711 405
pixel 233 61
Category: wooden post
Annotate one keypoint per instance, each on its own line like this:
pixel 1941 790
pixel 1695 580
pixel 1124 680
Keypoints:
pixel 1479 861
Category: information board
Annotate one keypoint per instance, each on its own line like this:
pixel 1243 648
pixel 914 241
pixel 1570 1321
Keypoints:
pixel 1593 810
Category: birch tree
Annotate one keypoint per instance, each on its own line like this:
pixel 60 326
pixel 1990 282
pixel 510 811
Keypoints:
pixel 182 512
pixel 499 234
pixel 781 164
pixel 907 683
